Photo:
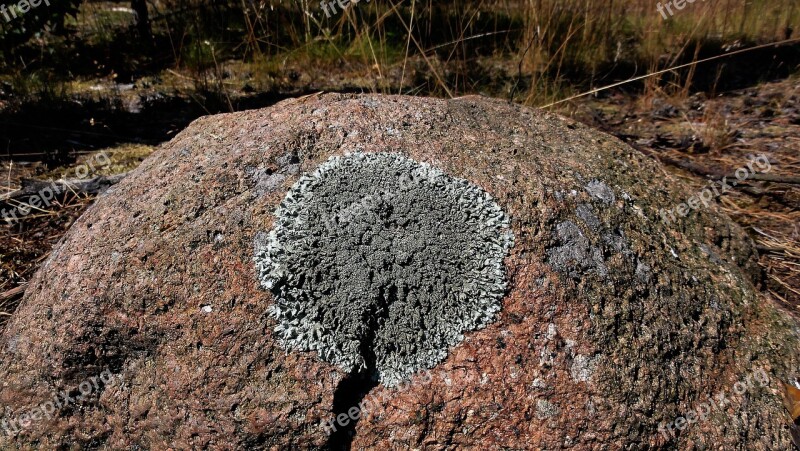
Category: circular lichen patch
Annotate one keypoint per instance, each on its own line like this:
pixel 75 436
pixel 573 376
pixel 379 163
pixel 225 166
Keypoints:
pixel 381 263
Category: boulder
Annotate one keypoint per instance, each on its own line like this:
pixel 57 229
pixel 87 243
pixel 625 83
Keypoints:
pixel 156 321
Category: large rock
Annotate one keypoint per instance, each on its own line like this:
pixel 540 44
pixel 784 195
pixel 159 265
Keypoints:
pixel 150 326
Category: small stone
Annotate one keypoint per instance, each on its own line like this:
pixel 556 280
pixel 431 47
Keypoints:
pixel 545 409
pixel 582 368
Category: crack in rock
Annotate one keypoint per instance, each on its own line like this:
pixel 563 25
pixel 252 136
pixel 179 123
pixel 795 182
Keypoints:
pixel 380 263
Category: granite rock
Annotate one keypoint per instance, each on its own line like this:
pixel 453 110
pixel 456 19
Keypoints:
pixel 613 321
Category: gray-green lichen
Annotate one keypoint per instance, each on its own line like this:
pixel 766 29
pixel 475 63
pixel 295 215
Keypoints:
pixel 381 263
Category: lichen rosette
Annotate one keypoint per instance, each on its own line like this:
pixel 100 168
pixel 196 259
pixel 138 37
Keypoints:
pixel 381 263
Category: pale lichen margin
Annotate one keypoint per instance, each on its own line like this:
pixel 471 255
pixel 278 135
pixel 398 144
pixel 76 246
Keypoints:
pixel 388 285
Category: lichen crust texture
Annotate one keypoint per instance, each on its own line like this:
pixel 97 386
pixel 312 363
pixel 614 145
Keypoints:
pixel 381 263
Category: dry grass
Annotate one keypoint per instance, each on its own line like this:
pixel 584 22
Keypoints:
pixel 27 244
pixel 551 47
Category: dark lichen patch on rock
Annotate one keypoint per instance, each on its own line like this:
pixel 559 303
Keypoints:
pixel 585 245
pixel 601 191
pixel 575 254
pixel 380 263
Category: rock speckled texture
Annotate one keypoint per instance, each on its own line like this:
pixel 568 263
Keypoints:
pixel 613 321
